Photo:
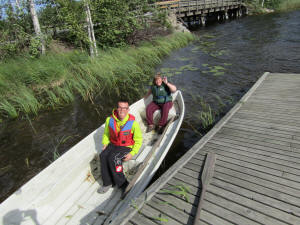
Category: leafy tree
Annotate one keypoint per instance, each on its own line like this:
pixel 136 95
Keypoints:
pixel 114 22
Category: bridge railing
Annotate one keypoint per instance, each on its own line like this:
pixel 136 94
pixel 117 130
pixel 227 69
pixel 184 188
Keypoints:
pixel 187 5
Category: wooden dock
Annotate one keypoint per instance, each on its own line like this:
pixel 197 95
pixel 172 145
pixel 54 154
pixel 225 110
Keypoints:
pixel 257 172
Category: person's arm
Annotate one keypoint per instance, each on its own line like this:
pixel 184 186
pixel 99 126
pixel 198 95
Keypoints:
pixel 172 87
pixel 148 93
pixel 138 140
pixel 105 137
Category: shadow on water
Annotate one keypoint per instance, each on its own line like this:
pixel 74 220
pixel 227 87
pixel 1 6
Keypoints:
pixel 212 73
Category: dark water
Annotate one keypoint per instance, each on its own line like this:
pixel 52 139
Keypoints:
pixel 212 72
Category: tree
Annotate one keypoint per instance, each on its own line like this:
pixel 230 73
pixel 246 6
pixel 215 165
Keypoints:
pixel 91 34
pixel 36 25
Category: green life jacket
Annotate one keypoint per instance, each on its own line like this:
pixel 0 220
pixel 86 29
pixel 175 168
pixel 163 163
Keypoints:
pixel 161 94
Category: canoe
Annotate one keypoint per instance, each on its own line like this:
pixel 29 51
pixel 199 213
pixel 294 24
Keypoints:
pixel 66 191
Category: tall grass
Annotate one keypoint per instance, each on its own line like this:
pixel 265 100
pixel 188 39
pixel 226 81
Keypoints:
pixel 30 85
pixel 288 5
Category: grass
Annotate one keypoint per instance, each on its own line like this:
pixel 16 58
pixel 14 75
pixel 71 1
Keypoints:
pixel 28 86
pixel 180 190
pixel 282 5
pixel 57 144
pixel 205 115
pixel 288 5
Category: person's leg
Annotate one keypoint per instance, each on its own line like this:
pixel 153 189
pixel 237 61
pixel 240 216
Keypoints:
pixel 105 169
pixel 116 164
pixel 165 108
pixel 151 108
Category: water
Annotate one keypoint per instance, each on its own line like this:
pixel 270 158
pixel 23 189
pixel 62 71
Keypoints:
pixel 215 71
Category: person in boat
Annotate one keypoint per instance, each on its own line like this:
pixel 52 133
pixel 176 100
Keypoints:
pixel 121 140
pixel 161 90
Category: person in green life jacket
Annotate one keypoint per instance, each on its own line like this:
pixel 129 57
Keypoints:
pixel 121 140
pixel 161 90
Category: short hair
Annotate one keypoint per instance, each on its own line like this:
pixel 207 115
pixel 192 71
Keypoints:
pixel 157 76
pixel 123 100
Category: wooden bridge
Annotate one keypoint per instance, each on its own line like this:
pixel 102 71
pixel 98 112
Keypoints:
pixel 256 177
pixel 201 10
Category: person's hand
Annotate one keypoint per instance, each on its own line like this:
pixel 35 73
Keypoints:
pixel 127 157
pixel 104 147
pixel 165 80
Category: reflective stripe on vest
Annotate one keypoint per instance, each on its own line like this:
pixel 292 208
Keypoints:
pixel 124 137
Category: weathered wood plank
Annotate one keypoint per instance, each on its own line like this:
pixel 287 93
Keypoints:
pixel 274 215
pixel 243 145
pixel 275 198
pixel 257 136
pixel 274 124
pixel 267 113
pixel 269 177
pixel 272 185
pixel 288 150
pixel 261 130
pixel 261 154
pixel 206 175
pixel 250 199
pixel 141 219
pixel 157 216
pixel 275 127
pixel 283 122
pixel 259 166
pixel 257 159
pixel 294 147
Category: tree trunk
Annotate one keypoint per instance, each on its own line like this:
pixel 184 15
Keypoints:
pixel 36 25
pixel 91 34
pixel 262 3
pixel 18 4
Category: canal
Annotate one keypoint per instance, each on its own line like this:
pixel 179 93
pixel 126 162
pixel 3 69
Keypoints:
pixel 213 73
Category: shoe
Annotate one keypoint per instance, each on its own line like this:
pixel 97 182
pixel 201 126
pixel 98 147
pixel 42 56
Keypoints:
pixel 104 189
pixel 150 128
pixel 160 129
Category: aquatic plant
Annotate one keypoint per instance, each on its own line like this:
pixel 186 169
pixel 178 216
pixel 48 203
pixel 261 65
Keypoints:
pixel 215 70
pixel 207 118
pixel 181 190
pixel 56 145
pixel 205 115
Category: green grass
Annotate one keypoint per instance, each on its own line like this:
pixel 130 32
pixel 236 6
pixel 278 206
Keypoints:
pixel 288 5
pixel 205 115
pixel 28 86
pixel 180 190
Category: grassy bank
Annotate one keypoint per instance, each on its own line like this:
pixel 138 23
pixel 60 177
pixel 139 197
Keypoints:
pixel 30 85
pixel 289 5
pixel 255 7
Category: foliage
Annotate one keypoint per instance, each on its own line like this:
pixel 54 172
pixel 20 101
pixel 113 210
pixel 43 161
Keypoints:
pixel 288 5
pixel 273 4
pixel 28 85
pixel 114 22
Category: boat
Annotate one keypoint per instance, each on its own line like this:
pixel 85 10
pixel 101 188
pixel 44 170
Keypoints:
pixel 65 192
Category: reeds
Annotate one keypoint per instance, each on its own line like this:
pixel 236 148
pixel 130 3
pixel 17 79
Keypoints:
pixel 289 5
pixel 29 85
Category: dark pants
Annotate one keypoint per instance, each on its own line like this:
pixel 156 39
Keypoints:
pixel 111 165
pixel 164 109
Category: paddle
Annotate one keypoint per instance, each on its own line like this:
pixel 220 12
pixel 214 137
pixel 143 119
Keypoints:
pixel 207 174
pixel 144 164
